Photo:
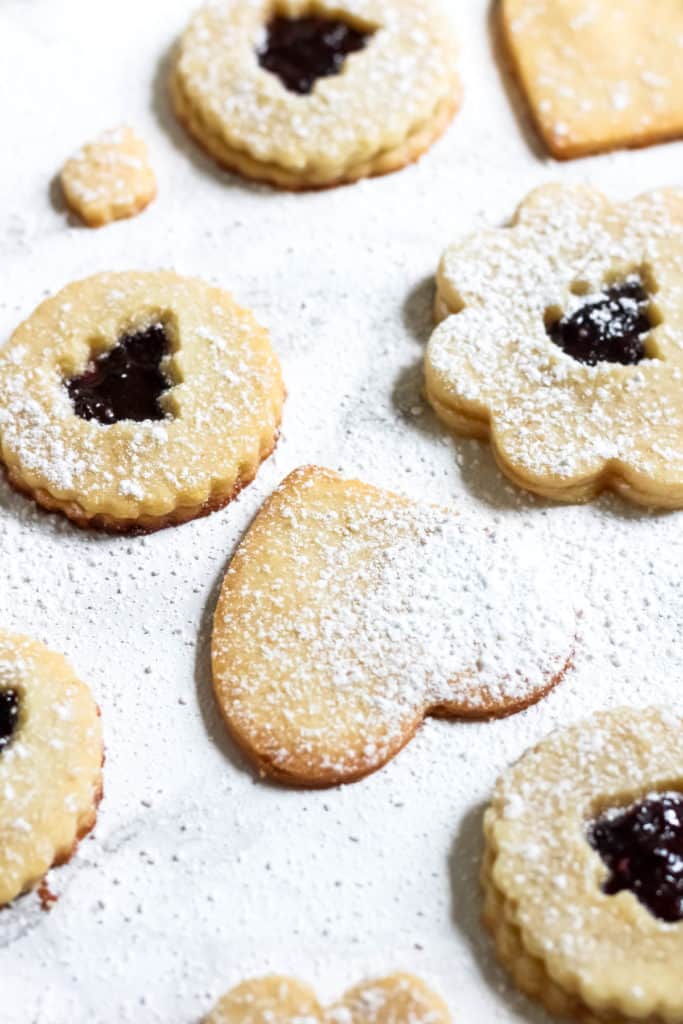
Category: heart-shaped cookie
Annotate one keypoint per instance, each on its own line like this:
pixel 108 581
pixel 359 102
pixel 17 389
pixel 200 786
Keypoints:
pixel 598 75
pixel 348 614
pixel 396 999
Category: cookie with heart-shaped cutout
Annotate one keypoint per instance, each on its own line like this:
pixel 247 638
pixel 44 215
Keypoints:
pixel 274 999
pixel 583 868
pixel 348 614
pixel 137 400
pixel 50 762
pixel 598 75
pixel 317 94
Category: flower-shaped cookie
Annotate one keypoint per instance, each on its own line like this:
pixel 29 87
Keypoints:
pixel 396 999
pixel 563 343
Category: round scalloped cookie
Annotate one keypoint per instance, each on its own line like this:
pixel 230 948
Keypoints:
pixel 50 762
pixel 566 940
pixel 134 446
pixel 385 106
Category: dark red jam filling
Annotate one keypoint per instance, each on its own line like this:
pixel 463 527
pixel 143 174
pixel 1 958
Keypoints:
pixel 9 716
pixel 643 848
pixel 302 50
pixel 125 383
pixel 610 328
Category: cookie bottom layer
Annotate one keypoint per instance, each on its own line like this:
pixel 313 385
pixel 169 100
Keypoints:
pixel 467 425
pixel 386 162
pixel 145 523
pixel 529 973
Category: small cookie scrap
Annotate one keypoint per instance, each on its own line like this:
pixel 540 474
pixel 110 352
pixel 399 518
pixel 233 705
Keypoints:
pixel 50 763
pixel 110 178
pixel 137 400
pixel 396 999
pixel 562 343
pixel 598 75
pixel 583 869
pixel 348 614
pixel 316 95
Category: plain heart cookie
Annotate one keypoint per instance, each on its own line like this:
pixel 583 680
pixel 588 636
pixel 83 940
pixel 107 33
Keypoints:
pixel 348 614
pixel 598 74
pixel 310 95
pixel 562 343
pixel 137 400
pixel 396 999
pixel 50 762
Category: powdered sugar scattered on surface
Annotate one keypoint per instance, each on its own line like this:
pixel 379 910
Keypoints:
pixel 197 876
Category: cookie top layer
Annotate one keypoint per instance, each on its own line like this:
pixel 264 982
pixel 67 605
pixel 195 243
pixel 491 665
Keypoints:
pixel 348 614
pixel 560 426
pixel 598 75
pixel 388 90
pixel 396 999
pixel 50 763
pixel 221 410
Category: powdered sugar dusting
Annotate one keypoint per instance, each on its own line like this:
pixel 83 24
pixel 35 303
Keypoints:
pixel 197 875
pixel 354 613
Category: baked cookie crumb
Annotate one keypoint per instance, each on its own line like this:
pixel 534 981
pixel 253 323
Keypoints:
pixel 110 178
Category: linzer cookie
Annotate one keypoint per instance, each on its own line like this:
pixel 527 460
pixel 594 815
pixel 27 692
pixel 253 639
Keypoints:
pixel 349 614
pixel 598 75
pixel 309 95
pixel 50 763
pixel 133 401
pixel 396 999
pixel 563 344
pixel 583 870
pixel 110 178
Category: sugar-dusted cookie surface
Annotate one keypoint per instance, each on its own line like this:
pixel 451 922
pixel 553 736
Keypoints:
pixel 563 344
pixel 598 74
pixel 348 614
pixel 310 95
pixel 50 762
pixel 110 178
pixel 396 999
pixel 133 401
pixel 582 874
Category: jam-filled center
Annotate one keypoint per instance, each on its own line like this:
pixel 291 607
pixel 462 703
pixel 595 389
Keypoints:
pixel 126 382
pixel 302 50
pixel 9 716
pixel 611 327
pixel 643 848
